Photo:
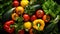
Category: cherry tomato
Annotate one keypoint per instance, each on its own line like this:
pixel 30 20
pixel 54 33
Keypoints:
pixel 39 13
pixel 33 18
pixel 7 26
pixel 14 16
pixel 26 17
pixel 15 0
pixel 31 31
pixel 15 3
pixel 46 18
pixel 21 32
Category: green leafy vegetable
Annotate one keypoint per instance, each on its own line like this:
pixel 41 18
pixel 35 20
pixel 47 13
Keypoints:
pixel 19 24
pixel 5 5
pixel 51 7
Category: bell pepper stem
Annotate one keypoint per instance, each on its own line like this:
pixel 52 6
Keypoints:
pixel 38 26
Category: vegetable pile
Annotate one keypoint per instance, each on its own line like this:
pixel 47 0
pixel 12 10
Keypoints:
pixel 30 17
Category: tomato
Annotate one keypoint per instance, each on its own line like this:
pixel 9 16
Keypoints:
pixel 26 17
pixel 14 16
pixel 15 3
pixel 31 31
pixel 33 18
pixel 21 32
pixel 19 10
pixel 15 0
pixel 39 13
pixel 7 26
pixel 46 18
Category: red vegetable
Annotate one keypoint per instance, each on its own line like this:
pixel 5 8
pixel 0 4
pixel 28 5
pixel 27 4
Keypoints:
pixel 46 18
pixel 15 0
pixel 26 17
pixel 7 26
pixel 31 31
pixel 15 3
pixel 21 32
pixel 33 18
pixel 39 13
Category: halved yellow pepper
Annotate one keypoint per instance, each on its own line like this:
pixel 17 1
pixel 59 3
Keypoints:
pixel 41 22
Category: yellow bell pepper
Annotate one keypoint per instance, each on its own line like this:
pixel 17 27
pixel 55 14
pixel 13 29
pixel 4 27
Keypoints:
pixel 41 22
pixel 24 3
pixel 27 25
pixel 19 10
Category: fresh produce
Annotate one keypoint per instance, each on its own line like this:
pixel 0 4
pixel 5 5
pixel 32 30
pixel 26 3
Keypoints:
pixel 26 17
pixel 29 17
pixel 21 32
pixel 15 3
pixel 46 18
pixel 31 31
pixel 52 8
pixel 15 16
pixel 19 24
pixel 7 15
pixel 19 10
pixel 24 3
pixel 51 26
pixel 33 17
pixel 30 9
pixel 40 23
pixel 4 7
pixel 39 13
pixel 27 25
pixel 7 26
pixel 15 0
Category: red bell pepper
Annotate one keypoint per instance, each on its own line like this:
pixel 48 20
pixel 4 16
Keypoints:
pixel 21 32
pixel 7 26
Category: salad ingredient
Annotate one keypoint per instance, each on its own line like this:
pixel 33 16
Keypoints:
pixel 46 18
pixel 31 31
pixel 52 8
pixel 51 26
pixel 33 17
pixel 30 9
pixel 40 23
pixel 15 16
pixel 7 15
pixel 19 10
pixel 39 13
pixel 27 25
pixel 7 26
pixel 24 3
pixel 26 17
pixel 15 3
pixel 21 32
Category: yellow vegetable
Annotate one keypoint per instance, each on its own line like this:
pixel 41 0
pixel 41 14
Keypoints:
pixel 19 10
pixel 24 3
pixel 27 25
pixel 41 22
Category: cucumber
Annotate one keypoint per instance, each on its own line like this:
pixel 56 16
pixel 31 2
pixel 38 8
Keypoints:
pixel 31 9
pixel 51 26
pixel 7 15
